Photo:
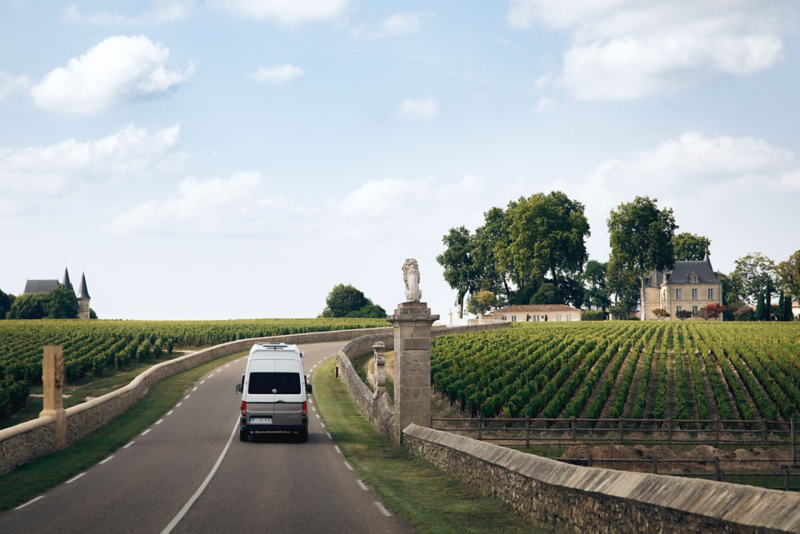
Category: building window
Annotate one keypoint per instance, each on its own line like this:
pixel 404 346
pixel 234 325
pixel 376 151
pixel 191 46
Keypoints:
pixel 569 317
pixel 558 317
pixel 513 318
pixel 694 294
pixel 504 318
pixel 678 309
pixel 535 318
pixel 694 278
pixel 677 294
pixel 710 294
pixel 694 310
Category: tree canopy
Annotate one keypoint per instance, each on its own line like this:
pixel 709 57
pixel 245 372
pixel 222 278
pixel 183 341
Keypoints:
pixel 481 302
pixel 5 304
pixel 59 303
pixel 755 271
pixel 459 268
pixel 597 293
pixel 788 273
pixel 690 247
pixel 347 301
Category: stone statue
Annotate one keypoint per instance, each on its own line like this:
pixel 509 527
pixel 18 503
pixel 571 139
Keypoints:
pixel 411 277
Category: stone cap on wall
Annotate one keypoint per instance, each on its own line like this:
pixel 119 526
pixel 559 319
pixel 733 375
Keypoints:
pixel 754 507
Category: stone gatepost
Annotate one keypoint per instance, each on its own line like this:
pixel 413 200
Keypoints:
pixel 378 368
pixel 412 365
pixel 53 381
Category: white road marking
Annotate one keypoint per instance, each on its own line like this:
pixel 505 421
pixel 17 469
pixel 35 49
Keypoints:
pixel 73 479
pixel 187 396
pixel 190 502
pixel 313 408
pixel 159 421
pixel 203 382
pixel 129 444
pixel 228 365
pixel 146 431
pixel 350 467
pixel 178 404
pixel 337 449
pixel 311 371
pixel 322 424
pixel 210 376
pixel 361 485
pixel 195 389
pixel 316 415
pixel 170 412
pixel 219 370
pixel 29 502
pixel 383 510
pixel 107 459
pixel 329 435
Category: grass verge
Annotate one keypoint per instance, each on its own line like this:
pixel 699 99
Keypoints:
pixel 412 487
pixel 40 475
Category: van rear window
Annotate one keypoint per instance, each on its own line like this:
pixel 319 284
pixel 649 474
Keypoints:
pixel 282 383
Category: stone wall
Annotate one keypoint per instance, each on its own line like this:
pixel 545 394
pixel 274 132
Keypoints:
pixel 573 498
pixel 28 441
pixel 380 411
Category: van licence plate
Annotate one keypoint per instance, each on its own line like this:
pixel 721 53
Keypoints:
pixel 261 420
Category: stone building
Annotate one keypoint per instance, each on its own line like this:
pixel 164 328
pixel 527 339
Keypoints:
pixel 535 313
pixel 41 286
pixel 689 286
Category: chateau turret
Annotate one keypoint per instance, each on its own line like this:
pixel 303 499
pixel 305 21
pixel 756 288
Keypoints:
pixel 83 299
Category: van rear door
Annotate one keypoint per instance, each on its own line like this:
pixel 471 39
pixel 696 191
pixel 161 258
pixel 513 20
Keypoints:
pixel 290 386
pixel 260 397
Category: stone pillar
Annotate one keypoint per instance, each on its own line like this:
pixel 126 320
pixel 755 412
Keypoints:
pixel 53 381
pixel 412 365
pixel 378 368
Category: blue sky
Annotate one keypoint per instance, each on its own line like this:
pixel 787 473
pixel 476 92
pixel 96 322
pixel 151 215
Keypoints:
pixel 209 159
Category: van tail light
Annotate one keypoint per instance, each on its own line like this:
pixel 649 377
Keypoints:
pixel 244 407
pixel 305 409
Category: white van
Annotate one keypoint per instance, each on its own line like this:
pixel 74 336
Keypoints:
pixel 274 391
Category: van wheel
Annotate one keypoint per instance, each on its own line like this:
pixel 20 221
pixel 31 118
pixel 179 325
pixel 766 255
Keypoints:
pixel 244 435
pixel 302 436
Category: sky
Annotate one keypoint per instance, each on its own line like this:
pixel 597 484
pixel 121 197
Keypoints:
pixel 211 159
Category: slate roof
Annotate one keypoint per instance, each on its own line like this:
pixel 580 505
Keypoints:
pixel 528 308
pixel 83 292
pixel 40 286
pixel 66 281
pixel 682 270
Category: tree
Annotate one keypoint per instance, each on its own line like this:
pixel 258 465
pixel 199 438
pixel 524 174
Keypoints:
pixel 344 299
pixel 457 261
pixel 712 311
pixel 788 275
pixel 61 303
pixel 546 239
pixel 661 313
pixel 683 314
pixel 690 247
pixel 594 282
pixel 761 308
pixel 625 288
pixel 755 271
pixel 28 306
pixel 5 304
pixel 641 239
pixel 369 310
pixel 547 294
pixel 481 302
pixel 488 239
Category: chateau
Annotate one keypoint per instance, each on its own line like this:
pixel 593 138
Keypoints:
pixel 690 286
pixel 41 286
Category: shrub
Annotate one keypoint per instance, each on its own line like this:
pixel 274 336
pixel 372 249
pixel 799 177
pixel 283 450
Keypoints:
pixel 592 315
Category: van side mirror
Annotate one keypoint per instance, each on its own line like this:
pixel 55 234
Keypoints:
pixel 309 389
pixel 303 354
pixel 239 389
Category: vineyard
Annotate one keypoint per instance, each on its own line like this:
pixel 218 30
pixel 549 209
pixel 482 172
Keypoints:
pixel 92 347
pixel 635 370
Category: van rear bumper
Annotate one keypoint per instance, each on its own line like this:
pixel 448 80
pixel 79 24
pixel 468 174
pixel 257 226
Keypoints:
pixel 272 428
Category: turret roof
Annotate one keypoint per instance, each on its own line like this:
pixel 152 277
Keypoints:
pixel 66 281
pixel 83 292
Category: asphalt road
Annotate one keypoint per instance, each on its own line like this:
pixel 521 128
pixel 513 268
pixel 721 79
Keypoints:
pixel 190 473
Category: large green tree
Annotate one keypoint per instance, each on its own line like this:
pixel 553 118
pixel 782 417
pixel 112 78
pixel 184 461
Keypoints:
pixel 344 299
pixel 595 284
pixel 688 247
pixel 459 268
pixel 488 239
pixel 755 271
pixel 641 240
pixel 59 303
pixel 5 304
pixel 546 240
pixel 788 274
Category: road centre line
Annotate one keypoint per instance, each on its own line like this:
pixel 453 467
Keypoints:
pixel 190 502
pixel 146 431
pixel 21 506
pixel 178 404
pixel 228 365
pixel 350 467
pixel 203 382
pixel 107 459
pixel 383 510
pixel 337 449
pixel 170 412
pixel 73 479
pixel 195 389
pixel 361 485
pixel 187 396
pixel 159 421
pixel 129 444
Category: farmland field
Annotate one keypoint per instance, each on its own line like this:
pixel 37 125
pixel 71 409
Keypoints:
pixel 91 347
pixel 651 370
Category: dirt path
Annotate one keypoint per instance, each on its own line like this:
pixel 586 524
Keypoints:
pixel 617 383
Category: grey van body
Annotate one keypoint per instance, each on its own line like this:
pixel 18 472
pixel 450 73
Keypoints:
pixel 274 391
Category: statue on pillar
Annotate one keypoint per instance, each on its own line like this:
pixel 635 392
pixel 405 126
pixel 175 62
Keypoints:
pixel 411 277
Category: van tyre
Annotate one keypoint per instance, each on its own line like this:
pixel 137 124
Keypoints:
pixel 302 436
pixel 244 435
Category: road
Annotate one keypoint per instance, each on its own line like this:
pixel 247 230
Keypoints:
pixel 189 472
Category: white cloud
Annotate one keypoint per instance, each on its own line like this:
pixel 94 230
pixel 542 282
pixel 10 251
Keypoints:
pixel 542 81
pixel 214 206
pixel 545 105
pixel 9 84
pixel 117 69
pixel 57 169
pixel 161 12
pixel 397 25
pixel 278 75
pixel 625 49
pixel 424 109
pixel 285 12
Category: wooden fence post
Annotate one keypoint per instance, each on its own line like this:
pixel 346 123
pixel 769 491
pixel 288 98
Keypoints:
pixel 669 430
pixel 794 445
pixel 717 432
pixel 764 420
pixel 786 479
pixel 480 427
pixel 527 432
pixel 717 473
pixel 621 438
pixel 589 461
pixel 574 430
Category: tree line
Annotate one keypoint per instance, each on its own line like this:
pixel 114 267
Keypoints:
pixel 58 303
pixel 534 252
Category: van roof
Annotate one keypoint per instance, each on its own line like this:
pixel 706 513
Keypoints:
pixel 274 350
